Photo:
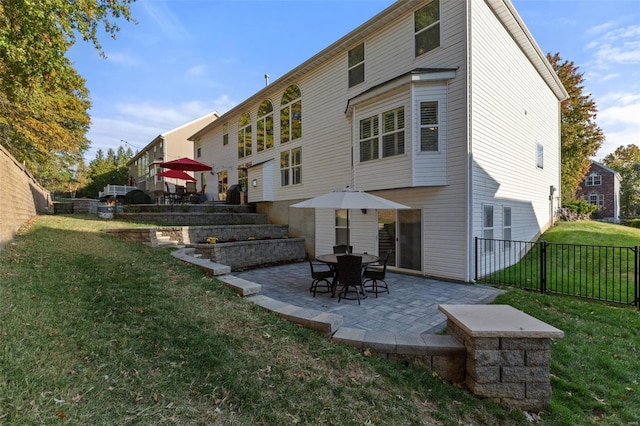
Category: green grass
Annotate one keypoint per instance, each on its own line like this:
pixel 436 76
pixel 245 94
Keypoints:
pixel 575 267
pixel 595 368
pixel 96 331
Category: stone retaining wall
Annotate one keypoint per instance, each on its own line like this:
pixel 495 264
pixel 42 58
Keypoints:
pixel 22 196
pixel 146 236
pixel 187 218
pixel 508 353
pixel 198 234
pixel 242 254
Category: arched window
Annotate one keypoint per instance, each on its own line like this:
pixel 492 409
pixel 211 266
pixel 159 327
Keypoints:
pixel 264 131
pixel 244 135
pixel 291 114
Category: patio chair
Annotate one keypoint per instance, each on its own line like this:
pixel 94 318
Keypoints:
pixel 168 195
pixel 342 248
pixel 191 187
pixel 321 276
pixel 373 276
pixel 350 278
pixel 181 195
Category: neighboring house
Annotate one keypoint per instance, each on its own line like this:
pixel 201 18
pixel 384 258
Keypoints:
pixel 601 186
pixel 446 106
pixel 171 145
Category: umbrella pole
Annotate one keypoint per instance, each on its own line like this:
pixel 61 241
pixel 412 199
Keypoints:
pixel 348 231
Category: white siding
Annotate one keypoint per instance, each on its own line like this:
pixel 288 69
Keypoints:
pixel 494 112
pixel 220 157
pixel 513 111
pixel 263 174
pixel 325 231
pixel 390 172
pixel 430 168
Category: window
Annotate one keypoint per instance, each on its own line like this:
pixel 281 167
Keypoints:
pixel 198 149
pixel 243 179
pixel 427 27
pixel 342 227
pixel 291 167
pixel 540 156
pixel 429 127
pixel 222 185
pixel 264 127
pixel 369 139
pixel 393 132
pixel 392 139
pixel 244 135
pixel 506 226
pixel 594 179
pixel 291 114
pixel 225 134
pixel 596 199
pixel 487 226
pixel 356 65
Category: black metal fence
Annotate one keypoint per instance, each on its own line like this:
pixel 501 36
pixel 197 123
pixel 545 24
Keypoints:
pixel 607 273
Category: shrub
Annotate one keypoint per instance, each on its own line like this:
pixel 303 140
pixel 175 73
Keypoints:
pixel 576 210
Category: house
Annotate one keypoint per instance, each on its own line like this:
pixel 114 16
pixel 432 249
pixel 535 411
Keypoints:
pixel 601 186
pixel 447 106
pixel 171 145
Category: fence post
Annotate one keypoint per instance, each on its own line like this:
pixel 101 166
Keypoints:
pixel 476 260
pixel 636 275
pixel 543 266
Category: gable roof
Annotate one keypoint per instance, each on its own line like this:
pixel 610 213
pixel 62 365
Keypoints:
pixel 211 116
pixel 602 166
pixel 503 9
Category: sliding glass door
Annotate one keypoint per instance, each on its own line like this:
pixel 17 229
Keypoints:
pixel 401 232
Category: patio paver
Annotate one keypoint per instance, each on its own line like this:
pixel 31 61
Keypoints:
pixel 411 307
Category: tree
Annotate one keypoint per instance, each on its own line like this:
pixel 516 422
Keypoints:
pixel 626 161
pixel 35 35
pixel 44 101
pixel 109 168
pixel 47 130
pixel 580 135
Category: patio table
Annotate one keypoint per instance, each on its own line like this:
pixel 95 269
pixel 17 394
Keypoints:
pixel 331 259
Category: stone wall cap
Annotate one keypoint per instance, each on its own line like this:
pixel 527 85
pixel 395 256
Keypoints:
pixel 498 321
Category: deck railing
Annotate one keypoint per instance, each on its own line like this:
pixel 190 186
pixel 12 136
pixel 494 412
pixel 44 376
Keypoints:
pixel 116 190
pixel 607 273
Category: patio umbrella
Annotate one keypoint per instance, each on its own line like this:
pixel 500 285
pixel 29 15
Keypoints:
pixel 177 174
pixel 346 199
pixel 186 164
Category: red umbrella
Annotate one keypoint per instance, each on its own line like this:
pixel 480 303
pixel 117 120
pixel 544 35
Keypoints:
pixel 177 174
pixel 185 164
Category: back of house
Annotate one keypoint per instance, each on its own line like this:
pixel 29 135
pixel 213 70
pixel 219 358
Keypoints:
pixel 446 106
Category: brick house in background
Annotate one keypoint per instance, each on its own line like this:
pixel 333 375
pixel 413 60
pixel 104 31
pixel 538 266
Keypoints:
pixel 601 186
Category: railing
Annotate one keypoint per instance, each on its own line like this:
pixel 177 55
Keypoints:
pixel 115 190
pixel 607 273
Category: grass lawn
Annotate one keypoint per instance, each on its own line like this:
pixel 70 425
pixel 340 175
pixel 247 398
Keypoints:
pixel 586 259
pixel 98 331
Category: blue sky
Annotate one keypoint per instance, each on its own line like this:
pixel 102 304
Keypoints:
pixel 187 58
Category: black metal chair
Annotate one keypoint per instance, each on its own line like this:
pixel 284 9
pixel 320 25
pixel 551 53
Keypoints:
pixel 350 277
pixel 320 276
pixel 342 248
pixel 168 195
pixel 374 275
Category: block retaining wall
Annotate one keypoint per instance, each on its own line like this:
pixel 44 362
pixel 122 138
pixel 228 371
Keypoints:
pixel 242 254
pixel 23 197
pixel 198 234
pixel 187 218
pixel 511 371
